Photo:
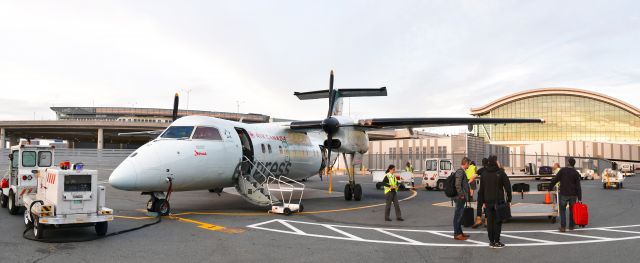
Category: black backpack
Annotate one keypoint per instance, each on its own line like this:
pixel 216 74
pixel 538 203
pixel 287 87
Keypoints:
pixel 450 185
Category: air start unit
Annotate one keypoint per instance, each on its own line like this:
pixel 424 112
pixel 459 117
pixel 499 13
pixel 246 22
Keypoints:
pixel 67 197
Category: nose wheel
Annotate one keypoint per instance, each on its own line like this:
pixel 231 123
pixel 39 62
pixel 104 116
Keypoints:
pixel 158 205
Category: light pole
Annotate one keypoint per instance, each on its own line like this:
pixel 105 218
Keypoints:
pixel 238 105
pixel 188 91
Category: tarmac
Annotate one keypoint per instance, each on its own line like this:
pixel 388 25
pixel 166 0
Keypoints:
pixel 205 227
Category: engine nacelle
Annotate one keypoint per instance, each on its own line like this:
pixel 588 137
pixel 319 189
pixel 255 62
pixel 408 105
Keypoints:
pixel 350 140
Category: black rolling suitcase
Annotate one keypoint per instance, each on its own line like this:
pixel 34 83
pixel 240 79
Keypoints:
pixel 467 216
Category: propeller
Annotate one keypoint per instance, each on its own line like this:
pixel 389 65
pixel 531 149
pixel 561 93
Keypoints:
pixel 330 125
pixel 176 100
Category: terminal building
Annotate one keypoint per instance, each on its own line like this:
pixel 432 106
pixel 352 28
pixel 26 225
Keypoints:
pixel 98 127
pixel 578 123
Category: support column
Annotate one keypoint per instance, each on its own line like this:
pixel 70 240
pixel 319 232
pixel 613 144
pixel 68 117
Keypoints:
pixel 100 139
pixel 3 135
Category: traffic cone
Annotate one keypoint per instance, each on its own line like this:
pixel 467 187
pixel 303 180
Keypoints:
pixel 547 198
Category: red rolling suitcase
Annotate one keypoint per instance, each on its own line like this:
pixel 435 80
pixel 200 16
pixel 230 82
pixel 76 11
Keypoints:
pixel 581 214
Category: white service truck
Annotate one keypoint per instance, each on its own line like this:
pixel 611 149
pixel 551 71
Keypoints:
pixel 21 180
pixel 69 197
pixel 436 172
pixel 627 169
pixel 403 183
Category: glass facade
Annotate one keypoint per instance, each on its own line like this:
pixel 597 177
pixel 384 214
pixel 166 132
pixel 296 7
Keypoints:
pixel 568 118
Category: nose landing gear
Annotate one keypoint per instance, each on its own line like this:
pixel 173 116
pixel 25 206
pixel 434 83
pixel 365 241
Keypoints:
pixel 159 203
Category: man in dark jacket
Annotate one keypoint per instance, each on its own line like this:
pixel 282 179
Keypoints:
pixel 479 210
pixel 494 185
pixel 462 188
pixel 570 190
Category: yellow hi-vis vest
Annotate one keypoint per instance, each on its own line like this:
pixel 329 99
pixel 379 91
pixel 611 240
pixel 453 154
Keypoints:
pixel 409 169
pixel 393 182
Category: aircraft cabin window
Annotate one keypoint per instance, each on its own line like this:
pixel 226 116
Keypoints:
pixel 269 146
pixel 177 132
pixel 263 150
pixel 207 133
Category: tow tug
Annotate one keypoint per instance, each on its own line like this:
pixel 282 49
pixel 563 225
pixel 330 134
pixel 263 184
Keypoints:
pixel 25 161
pixel 612 178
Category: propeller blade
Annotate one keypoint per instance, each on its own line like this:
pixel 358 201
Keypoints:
pixel 331 94
pixel 176 100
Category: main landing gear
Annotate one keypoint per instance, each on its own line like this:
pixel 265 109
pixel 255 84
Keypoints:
pixel 159 203
pixel 351 190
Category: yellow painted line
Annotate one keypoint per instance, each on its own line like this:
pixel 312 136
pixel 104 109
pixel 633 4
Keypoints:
pixel 413 194
pixel 224 213
pixel 210 227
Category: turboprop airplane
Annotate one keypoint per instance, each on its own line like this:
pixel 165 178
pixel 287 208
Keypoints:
pixel 206 153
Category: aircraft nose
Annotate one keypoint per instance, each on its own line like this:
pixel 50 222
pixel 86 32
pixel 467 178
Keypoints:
pixel 124 177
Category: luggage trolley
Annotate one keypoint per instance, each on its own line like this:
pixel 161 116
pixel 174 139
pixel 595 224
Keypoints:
pixel 551 211
pixel 289 186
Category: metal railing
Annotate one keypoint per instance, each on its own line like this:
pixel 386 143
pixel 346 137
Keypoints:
pixel 285 184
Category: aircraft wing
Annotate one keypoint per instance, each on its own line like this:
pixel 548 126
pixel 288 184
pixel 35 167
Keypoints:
pixel 398 123
pixel 142 133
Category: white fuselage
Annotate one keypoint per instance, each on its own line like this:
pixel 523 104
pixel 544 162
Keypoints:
pixel 212 162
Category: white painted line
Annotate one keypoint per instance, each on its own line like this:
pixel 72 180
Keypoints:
pixel 527 238
pixel 621 231
pixel 344 233
pixel 414 242
pixel 263 223
pixel 576 235
pixel 292 227
pixel 451 236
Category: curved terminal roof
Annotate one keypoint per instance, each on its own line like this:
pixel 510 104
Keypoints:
pixel 555 91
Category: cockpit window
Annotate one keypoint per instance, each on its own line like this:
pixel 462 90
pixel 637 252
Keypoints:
pixel 207 133
pixel 177 132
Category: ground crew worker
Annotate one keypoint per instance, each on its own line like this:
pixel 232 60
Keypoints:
pixel 471 178
pixel 409 169
pixel 391 193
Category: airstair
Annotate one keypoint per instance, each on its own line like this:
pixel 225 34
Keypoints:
pixel 262 188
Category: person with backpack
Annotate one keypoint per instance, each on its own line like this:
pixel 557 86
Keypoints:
pixel 570 190
pixel 391 193
pixel 495 185
pixel 459 192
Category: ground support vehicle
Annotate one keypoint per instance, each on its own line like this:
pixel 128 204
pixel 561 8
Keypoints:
pixel 436 172
pixel 67 197
pixel 26 160
pixel 612 179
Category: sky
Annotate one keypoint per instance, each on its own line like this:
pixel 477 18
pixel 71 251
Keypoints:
pixel 436 58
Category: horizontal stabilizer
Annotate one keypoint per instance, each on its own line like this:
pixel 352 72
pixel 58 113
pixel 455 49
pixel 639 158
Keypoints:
pixel 341 93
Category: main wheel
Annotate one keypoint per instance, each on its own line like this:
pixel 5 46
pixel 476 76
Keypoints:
pixel 287 211
pixel 604 185
pixel 441 185
pixel 378 186
pixel 38 228
pixel 301 208
pixel 101 228
pixel 348 193
pixel 162 207
pixel 13 209
pixel 357 192
pixel 3 200
pixel 27 219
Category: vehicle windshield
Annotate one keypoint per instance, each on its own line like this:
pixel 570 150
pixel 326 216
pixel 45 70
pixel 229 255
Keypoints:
pixel 177 132
pixel 445 165
pixel 28 159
